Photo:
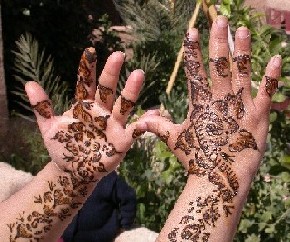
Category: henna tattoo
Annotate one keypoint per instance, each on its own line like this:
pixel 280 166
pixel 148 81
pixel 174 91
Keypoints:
pixel 43 108
pixel 104 92
pixel 85 74
pixel 80 113
pixel 191 46
pixel 164 137
pixel 243 62
pixel 101 122
pixel 137 133
pixel 245 140
pixel 212 137
pixel 271 85
pixel 55 203
pixel 91 57
pixel 126 105
pixel 221 64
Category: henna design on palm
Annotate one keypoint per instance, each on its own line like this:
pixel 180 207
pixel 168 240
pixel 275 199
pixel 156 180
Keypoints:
pixel 43 108
pixel 82 146
pixel 126 105
pixel 104 92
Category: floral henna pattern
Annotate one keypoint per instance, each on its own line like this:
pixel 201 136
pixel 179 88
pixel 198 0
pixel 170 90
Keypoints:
pixel 212 139
pixel 271 85
pixel 85 145
pixel 43 108
pixel 242 63
pixel 126 105
pixel 56 203
pixel 104 92
pixel 85 74
pixel 222 66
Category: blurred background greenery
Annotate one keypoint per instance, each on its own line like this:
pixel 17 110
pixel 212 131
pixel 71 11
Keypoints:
pixel 43 41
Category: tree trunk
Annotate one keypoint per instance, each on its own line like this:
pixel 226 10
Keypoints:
pixel 4 115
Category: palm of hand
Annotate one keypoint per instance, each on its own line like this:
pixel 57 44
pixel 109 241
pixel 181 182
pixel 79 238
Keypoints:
pixel 90 139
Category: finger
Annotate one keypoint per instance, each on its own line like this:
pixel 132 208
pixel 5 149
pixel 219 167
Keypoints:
pixel 128 97
pixel 242 62
pixel 219 58
pixel 86 84
pixel 41 105
pixel 106 90
pixel 269 84
pixel 163 128
pixel 138 128
pixel 197 83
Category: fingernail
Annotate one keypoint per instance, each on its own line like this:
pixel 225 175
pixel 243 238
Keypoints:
pixel 124 54
pixel 222 21
pixel 277 61
pixel 193 34
pixel 243 32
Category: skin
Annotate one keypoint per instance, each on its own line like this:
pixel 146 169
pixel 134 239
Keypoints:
pixel 222 140
pixel 86 143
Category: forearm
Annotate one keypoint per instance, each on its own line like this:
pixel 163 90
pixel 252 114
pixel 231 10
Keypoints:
pixel 43 208
pixel 206 211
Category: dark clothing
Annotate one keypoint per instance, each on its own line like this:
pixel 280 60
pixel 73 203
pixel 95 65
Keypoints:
pixel 111 207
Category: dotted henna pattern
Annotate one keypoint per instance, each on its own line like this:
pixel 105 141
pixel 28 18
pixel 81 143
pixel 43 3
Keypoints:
pixel 221 64
pixel 43 108
pixel 271 85
pixel 243 63
pixel 212 139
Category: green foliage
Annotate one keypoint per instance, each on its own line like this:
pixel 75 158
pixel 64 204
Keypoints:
pixel 37 155
pixel 158 31
pixel 32 64
pixel 158 178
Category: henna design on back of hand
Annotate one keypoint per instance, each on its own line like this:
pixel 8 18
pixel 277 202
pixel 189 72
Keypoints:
pixel 271 85
pixel 211 140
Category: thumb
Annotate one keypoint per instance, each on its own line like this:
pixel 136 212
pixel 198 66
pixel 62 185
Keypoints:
pixel 41 105
pixel 160 126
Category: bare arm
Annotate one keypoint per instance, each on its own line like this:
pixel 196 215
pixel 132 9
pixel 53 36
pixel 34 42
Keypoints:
pixel 85 144
pixel 222 141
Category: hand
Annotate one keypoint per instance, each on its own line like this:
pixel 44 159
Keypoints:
pixel 90 139
pixel 222 140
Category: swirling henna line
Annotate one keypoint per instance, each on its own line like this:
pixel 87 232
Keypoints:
pixel 221 64
pixel 43 108
pixel 243 63
pixel 126 105
pixel 104 92
pixel 271 85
